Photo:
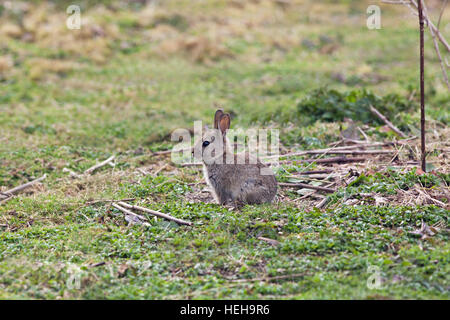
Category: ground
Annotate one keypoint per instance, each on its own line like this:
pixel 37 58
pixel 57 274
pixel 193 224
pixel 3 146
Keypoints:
pixel 70 99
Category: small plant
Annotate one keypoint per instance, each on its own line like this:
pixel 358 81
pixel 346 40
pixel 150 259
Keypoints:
pixel 330 105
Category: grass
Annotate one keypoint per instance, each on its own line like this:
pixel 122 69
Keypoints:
pixel 121 84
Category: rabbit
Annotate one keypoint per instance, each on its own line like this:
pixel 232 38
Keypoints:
pixel 233 183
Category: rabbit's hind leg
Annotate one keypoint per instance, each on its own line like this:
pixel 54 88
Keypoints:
pixel 238 204
pixel 258 196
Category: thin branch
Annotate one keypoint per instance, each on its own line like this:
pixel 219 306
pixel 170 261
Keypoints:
pixel 108 200
pixel 313 193
pixel 438 33
pixel 315 172
pixel 327 160
pixel 441 13
pixel 160 169
pixel 282 277
pixel 348 152
pixel 101 164
pixel 439 203
pixel 436 48
pixel 414 11
pixel 362 145
pixel 312 177
pixel 130 213
pixel 270 241
pixel 98 264
pixel 8 197
pixel 364 134
pixel 422 86
pixel 321 151
pixel 23 186
pixel 72 173
pixel 385 120
pixel 435 29
pixel 322 203
pixel 142 171
pixel 306 186
pixel 155 213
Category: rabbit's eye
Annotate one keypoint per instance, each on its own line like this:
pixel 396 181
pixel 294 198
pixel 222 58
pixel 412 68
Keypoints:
pixel 205 143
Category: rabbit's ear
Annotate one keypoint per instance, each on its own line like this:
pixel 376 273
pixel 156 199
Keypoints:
pixel 224 123
pixel 217 116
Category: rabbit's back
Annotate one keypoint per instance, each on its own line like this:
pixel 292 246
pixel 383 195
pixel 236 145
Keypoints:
pixel 251 182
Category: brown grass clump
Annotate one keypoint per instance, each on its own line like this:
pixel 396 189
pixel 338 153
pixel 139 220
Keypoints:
pixel 11 30
pixel 421 196
pixel 40 67
pixel 6 64
pixel 46 27
pixel 197 48
pixel 161 32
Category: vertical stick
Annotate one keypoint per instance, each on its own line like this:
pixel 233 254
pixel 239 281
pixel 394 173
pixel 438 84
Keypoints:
pixel 422 88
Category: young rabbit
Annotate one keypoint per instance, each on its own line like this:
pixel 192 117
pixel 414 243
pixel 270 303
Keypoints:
pixel 233 181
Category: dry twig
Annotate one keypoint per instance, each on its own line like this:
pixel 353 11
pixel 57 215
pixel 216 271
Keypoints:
pixel 322 203
pixel 270 241
pixel 358 145
pixel 130 213
pixel 155 213
pixel 282 277
pixel 428 21
pixel 435 201
pixel 72 173
pixel 6 199
pixel 436 44
pixel 99 165
pixel 108 200
pixel 349 152
pixel 11 192
pixel 306 186
pixel 422 86
pixel 327 160
pixel 160 169
pixel 385 120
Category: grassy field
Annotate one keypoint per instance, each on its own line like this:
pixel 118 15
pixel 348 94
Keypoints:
pixel 133 73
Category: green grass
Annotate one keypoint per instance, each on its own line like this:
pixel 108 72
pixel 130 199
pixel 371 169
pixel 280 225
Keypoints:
pixel 77 106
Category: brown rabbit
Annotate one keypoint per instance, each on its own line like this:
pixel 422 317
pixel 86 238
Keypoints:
pixel 233 181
